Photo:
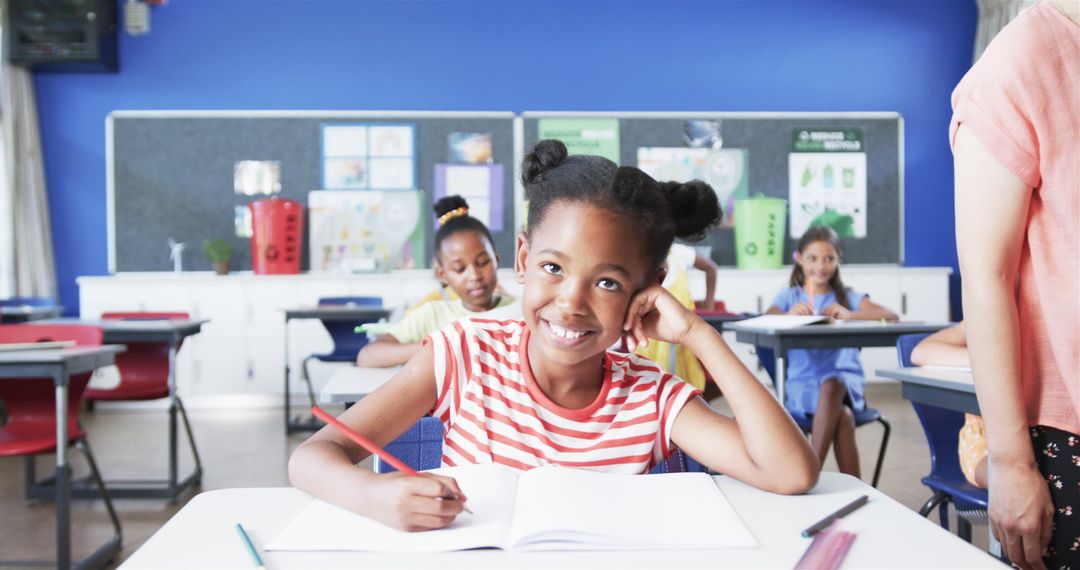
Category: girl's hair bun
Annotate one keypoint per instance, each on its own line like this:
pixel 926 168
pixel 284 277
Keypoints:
pixel 547 154
pixel 694 208
pixel 448 204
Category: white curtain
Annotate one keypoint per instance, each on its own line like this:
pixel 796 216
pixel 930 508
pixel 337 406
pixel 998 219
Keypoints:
pixel 27 268
pixel 994 15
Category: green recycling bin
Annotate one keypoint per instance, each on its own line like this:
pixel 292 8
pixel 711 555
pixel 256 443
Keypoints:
pixel 760 224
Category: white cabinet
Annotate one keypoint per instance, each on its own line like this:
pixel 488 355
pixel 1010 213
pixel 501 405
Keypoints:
pixel 242 348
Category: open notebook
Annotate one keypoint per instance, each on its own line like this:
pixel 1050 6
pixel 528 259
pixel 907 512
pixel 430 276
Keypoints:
pixel 550 508
pixel 44 345
pixel 788 321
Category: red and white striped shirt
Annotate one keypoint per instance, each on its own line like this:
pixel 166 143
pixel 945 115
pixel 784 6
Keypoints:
pixel 493 411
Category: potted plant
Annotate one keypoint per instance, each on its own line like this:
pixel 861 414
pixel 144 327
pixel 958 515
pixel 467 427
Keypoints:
pixel 219 252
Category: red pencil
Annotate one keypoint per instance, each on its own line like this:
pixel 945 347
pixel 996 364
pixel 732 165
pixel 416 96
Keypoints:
pixel 372 447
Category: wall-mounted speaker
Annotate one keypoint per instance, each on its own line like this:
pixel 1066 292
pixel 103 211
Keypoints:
pixel 62 35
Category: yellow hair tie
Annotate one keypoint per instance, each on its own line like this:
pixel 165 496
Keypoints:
pixel 456 212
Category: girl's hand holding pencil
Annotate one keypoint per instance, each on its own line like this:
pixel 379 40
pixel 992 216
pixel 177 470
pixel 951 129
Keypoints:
pixel 418 503
pixel 408 500
pixel 801 309
pixel 837 311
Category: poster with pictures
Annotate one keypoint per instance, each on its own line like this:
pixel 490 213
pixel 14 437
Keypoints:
pixel 367 230
pixel 362 156
pixel 726 170
pixel 480 184
pixel 828 189
pixel 469 148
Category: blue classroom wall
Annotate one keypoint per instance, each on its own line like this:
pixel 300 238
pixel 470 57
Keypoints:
pixel 752 55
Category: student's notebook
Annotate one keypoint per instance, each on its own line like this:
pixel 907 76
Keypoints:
pixel 550 508
pixel 44 345
pixel 786 321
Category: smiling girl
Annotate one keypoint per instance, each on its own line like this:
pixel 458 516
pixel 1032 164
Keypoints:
pixel 546 389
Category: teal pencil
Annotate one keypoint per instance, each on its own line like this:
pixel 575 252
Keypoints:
pixel 251 547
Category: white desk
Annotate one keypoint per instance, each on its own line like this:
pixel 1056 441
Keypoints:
pixel 944 388
pixel 889 536
pixel 849 334
pixel 354 382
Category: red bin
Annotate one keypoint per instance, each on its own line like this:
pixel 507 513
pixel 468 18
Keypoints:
pixel 277 227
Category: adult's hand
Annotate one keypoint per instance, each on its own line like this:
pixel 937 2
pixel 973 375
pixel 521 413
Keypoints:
pixel 1021 513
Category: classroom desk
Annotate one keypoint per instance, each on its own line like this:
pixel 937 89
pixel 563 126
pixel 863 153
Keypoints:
pixel 849 334
pixel 717 321
pixel 134 331
pixel 348 385
pixel 943 388
pixel 58 365
pixel 323 313
pixel 889 536
pixel 25 313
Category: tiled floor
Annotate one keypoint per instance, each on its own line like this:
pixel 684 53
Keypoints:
pixel 248 448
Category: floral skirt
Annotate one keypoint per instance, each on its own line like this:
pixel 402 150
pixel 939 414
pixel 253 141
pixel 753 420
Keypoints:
pixel 1057 454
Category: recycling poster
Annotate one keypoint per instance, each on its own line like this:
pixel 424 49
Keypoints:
pixel 827 181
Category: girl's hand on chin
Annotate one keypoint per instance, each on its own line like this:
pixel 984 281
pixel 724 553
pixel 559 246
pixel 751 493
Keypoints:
pixel 655 313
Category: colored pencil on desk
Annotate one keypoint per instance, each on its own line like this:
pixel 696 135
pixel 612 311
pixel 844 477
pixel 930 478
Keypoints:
pixel 825 522
pixel 828 549
pixel 372 447
pixel 373 328
pixel 813 309
pixel 251 547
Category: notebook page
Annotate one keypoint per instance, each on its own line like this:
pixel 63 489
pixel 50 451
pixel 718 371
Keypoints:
pixel 560 508
pixel 324 527
pixel 783 321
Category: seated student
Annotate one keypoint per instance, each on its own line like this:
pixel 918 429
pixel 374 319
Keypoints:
pixel 546 389
pixel 948 347
pixel 826 384
pixel 682 362
pixel 465 261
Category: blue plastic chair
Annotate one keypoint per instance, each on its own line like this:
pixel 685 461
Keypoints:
pixel 421 448
pixel 347 343
pixel 28 309
pixel 946 479
pixel 806 423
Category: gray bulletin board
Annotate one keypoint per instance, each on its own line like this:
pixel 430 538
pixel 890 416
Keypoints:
pixel 768 139
pixel 170 174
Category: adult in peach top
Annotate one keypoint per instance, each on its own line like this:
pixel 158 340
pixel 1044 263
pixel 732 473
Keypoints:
pixel 1015 133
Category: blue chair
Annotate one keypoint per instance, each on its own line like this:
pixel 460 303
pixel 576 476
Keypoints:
pixel 347 343
pixel 421 448
pixel 946 479
pixel 23 309
pixel 806 423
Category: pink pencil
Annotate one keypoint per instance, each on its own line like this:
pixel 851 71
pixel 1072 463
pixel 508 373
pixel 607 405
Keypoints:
pixel 813 309
pixel 371 446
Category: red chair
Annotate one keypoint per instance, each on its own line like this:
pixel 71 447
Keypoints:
pixel 144 375
pixel 31 409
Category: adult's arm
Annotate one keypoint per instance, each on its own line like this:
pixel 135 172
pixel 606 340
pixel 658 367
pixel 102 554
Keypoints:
pixel 991 219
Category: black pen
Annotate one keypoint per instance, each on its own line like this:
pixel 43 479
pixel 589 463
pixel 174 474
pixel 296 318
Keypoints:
pixel 821 524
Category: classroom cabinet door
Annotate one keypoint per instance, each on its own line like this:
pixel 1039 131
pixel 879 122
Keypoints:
pixel 926 296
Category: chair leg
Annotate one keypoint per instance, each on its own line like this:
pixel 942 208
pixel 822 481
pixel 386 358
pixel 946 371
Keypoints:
pixel 932 502
pixel 84 447
pixel 881 454
pixel 190 434
pixel 30 476
pixel 963 528
pixel 307 382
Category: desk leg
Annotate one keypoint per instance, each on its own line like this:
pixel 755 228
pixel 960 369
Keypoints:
pixel 172 417
pixel 288 427
pixel 781 376
pixel 63 479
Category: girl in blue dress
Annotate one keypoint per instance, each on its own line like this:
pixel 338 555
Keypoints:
pixel 826 384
